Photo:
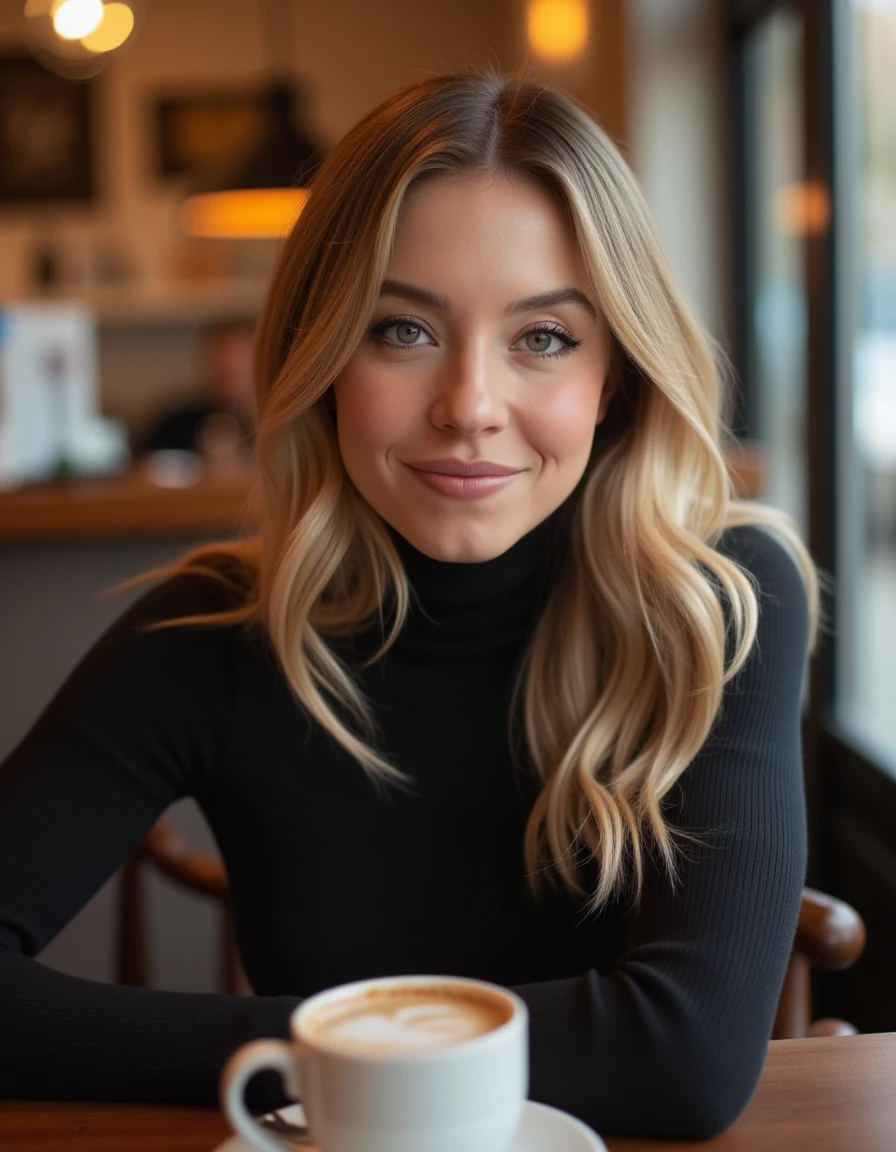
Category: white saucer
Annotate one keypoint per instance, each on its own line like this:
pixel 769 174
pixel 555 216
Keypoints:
pixel 542 1129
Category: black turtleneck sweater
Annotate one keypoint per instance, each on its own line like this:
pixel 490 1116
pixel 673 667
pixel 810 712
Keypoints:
pixel 643 1021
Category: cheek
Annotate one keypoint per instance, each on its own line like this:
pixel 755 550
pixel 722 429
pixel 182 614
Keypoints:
pixel 371 412
pixel 562 421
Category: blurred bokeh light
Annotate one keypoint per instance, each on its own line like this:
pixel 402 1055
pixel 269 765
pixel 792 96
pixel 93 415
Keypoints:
pixel 76 37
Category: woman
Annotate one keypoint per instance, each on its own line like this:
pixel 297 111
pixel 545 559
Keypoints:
pixel 507 686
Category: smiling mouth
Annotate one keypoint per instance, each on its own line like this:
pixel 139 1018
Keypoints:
pixel 472 481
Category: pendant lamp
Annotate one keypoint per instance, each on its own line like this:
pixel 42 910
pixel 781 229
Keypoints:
pixel 260 192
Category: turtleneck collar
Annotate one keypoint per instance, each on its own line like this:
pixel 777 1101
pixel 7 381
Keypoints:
pixel 478 610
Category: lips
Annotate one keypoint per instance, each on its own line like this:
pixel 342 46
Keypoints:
pixel 453 467
pixel 464 479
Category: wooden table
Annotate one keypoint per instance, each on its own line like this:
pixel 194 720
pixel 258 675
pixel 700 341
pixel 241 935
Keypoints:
pixel 836 1094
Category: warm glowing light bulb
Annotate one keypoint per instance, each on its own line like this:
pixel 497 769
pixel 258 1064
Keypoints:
pixel 73 19
pixel 557 29
pixel 112 31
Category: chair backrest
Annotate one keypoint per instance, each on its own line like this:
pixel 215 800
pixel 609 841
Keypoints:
pixel 165 849
pixel 830 934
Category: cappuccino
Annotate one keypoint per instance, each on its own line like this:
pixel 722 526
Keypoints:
pixel 407 1019
pixel 396 1064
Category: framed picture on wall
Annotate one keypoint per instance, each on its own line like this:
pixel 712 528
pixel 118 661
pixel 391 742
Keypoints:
pixel 196 132
pixel 46 141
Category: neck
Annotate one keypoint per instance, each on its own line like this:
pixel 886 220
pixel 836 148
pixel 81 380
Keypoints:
pixel 474 610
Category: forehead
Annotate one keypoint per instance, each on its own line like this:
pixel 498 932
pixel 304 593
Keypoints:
pixel 495 226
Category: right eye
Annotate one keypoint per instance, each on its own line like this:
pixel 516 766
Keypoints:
pixel 401 333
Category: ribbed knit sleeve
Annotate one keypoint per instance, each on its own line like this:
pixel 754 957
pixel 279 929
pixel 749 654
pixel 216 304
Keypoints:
pixel 143 720
pixel 672 1041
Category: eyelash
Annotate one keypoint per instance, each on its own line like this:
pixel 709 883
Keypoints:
pixel 569 342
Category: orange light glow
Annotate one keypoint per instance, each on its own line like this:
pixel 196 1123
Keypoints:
pixel 802 209
pixel 557 29
pixel 114 28
pixel 260 212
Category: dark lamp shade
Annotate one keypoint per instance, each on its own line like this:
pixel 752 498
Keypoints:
pixel 261 192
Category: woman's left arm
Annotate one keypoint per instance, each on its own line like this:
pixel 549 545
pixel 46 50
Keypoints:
pixel 672 1042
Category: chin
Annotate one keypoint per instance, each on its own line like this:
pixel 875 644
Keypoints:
pixel 458 546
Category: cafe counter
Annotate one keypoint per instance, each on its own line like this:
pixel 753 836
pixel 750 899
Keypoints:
pixel 154 499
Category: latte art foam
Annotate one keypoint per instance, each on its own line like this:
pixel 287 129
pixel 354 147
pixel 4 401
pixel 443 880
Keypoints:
pixel 423 1026
pixel 406 1020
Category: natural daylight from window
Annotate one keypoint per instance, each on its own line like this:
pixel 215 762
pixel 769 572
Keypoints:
pixel 867 663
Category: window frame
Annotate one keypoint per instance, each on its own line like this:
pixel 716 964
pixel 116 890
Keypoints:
pixel 851 797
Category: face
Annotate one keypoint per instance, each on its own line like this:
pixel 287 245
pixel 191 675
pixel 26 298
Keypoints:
pixel 466 415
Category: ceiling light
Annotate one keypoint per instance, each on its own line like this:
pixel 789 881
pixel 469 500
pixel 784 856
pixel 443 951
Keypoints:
pixel 243 214
pixel 557 30
pixel 261 191
pixel 73 19
pixel 92 33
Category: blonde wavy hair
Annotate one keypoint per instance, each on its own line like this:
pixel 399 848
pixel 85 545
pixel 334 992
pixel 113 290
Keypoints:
pixel 645 603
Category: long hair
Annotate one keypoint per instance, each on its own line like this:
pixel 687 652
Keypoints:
pixel 645 601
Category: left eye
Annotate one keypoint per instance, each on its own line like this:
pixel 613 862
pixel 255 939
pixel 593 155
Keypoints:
pixel 544 342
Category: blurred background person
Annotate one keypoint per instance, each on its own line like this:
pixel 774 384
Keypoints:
pixel 219 423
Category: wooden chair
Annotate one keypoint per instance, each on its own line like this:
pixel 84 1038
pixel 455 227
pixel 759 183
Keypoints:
pixel 830 934
pixel 165 849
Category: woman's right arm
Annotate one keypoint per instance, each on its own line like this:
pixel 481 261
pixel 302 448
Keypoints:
pixel 143 720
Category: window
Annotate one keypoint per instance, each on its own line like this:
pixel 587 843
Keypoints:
pixel 774 255
pixel 865 699
pixel 815 196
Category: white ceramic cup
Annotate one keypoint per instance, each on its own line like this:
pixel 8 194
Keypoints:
pixel 466 1096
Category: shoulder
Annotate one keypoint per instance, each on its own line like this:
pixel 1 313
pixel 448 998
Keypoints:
pixel 178 631
pixel 769 562
pixel 167 677
pixel 201 592
pixel 149 700
pixel 782 630
pixel 760 551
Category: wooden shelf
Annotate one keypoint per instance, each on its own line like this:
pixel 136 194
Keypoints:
pixel 164 305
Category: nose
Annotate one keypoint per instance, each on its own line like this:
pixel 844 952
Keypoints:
pixel 469 396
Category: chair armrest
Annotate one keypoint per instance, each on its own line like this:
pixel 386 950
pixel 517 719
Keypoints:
pixel 173 856
pixel 830 933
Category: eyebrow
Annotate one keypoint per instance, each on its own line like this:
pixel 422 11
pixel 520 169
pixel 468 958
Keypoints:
pixel 406 291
